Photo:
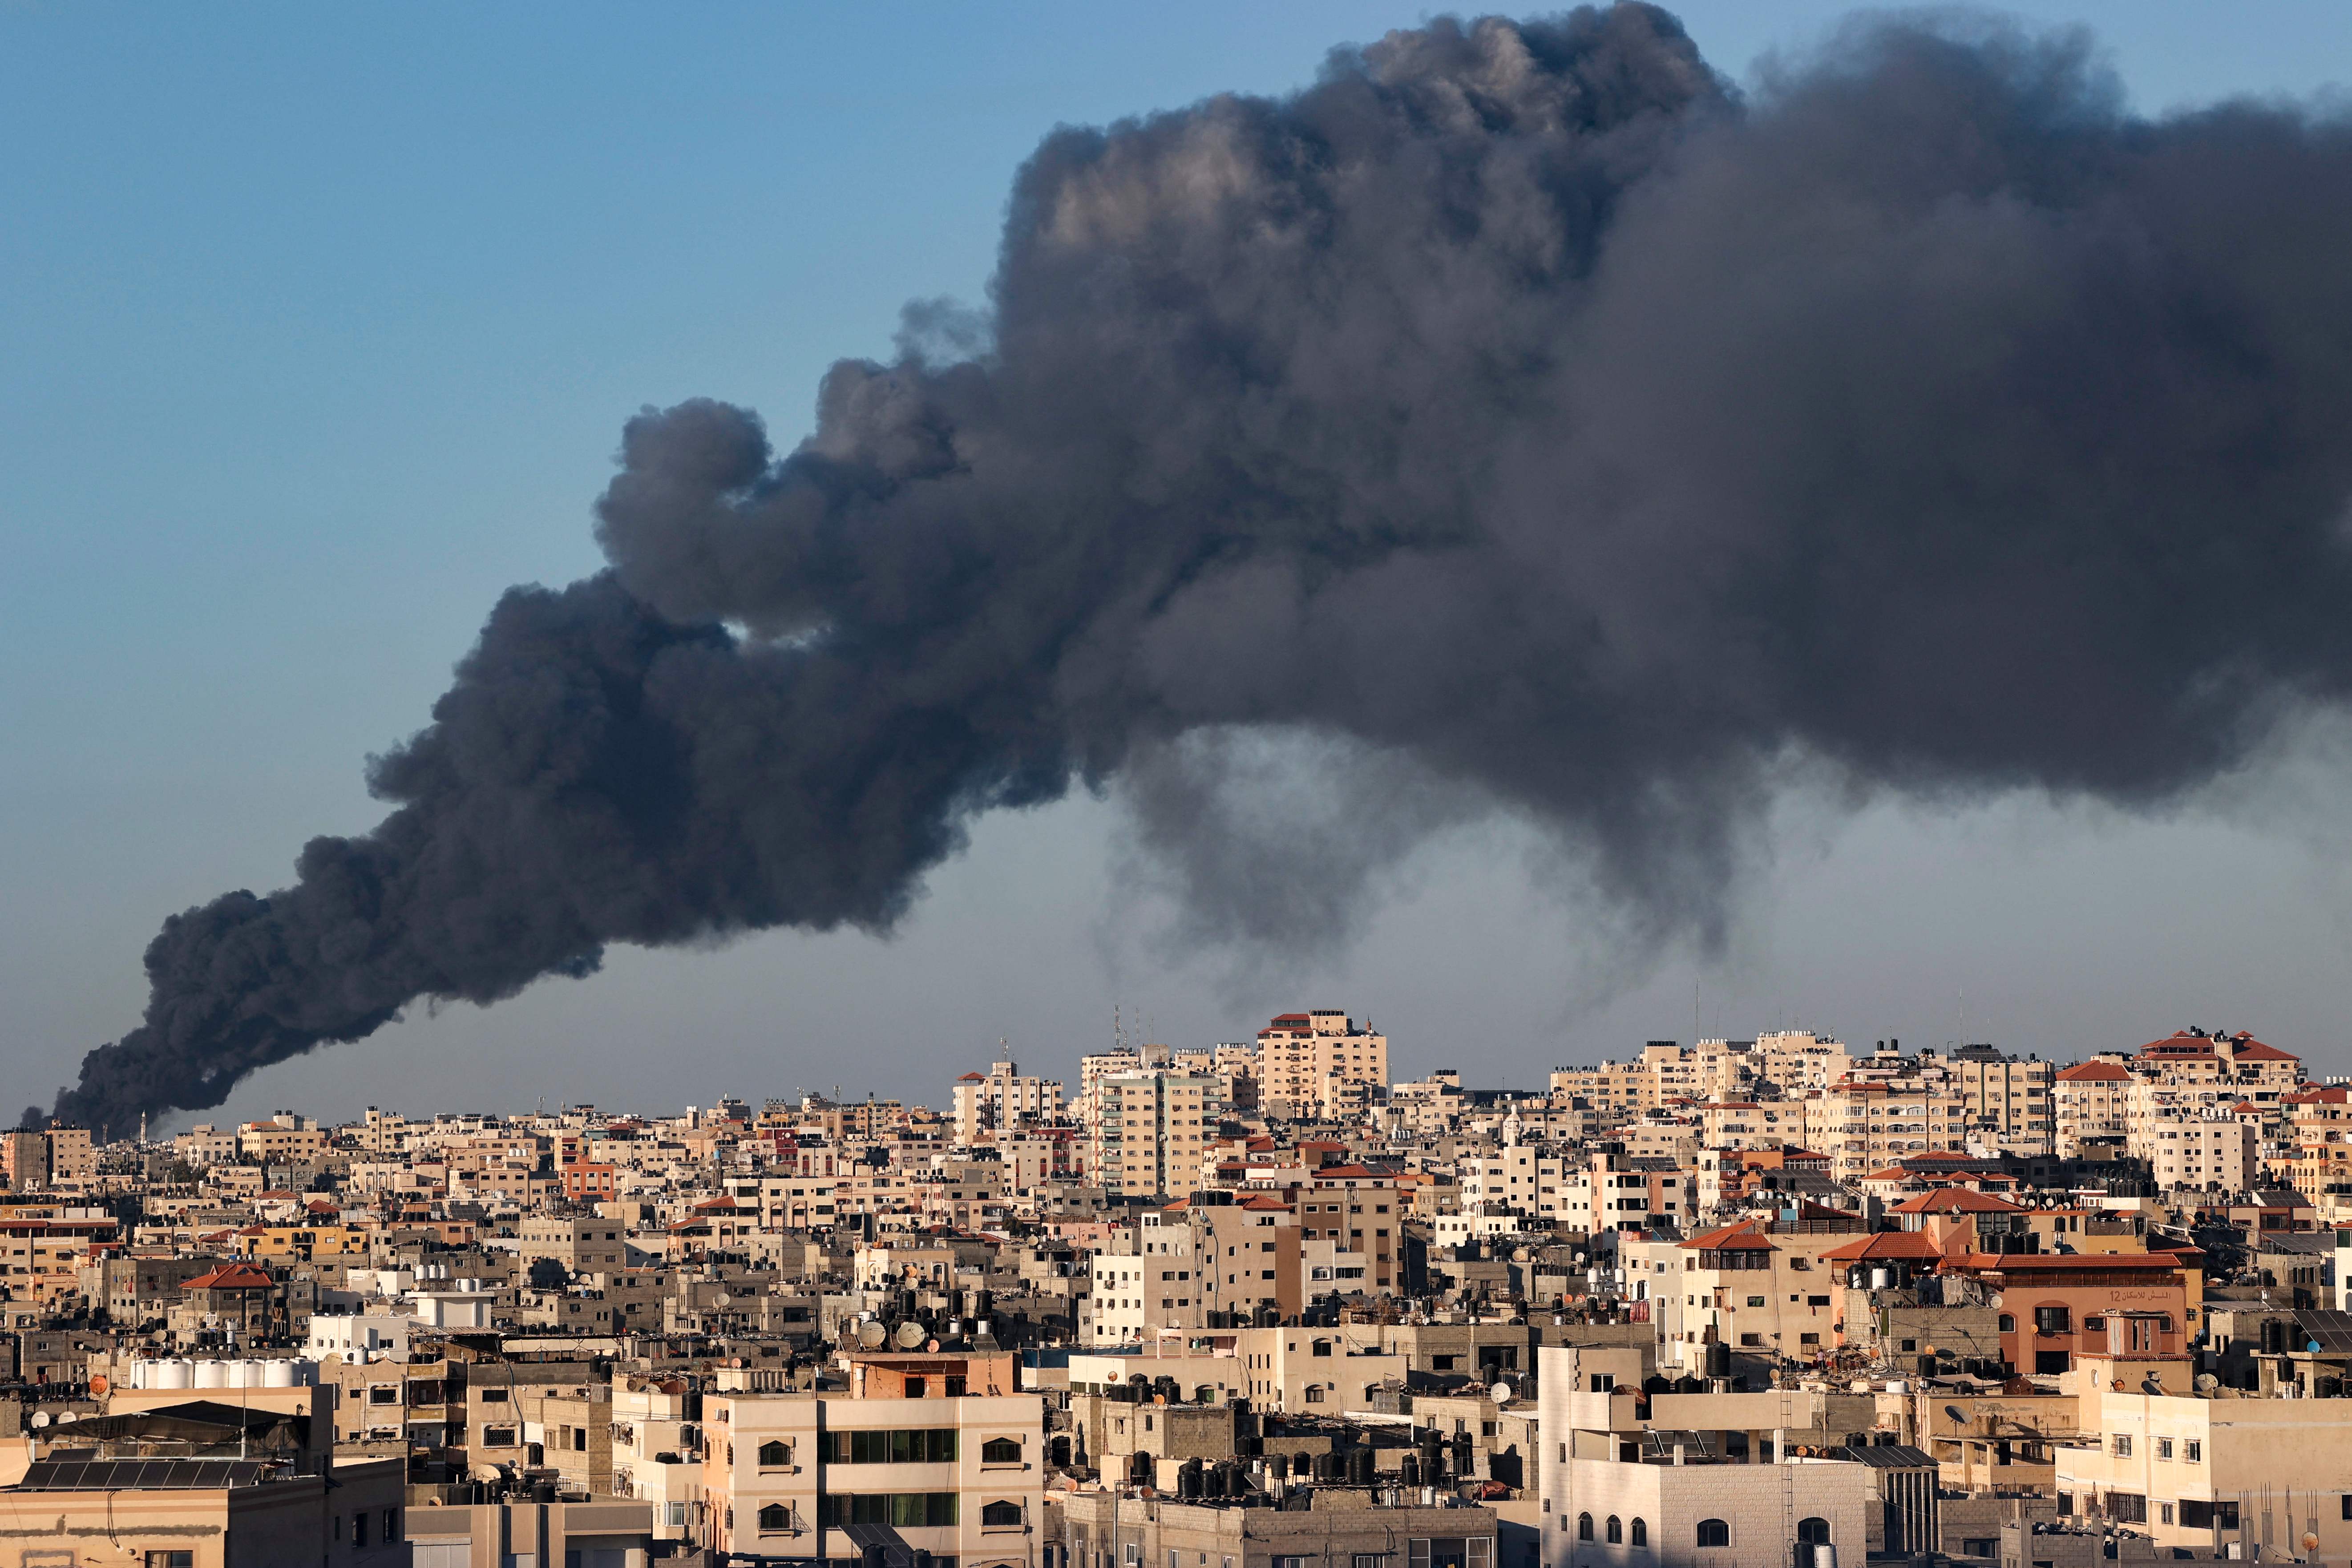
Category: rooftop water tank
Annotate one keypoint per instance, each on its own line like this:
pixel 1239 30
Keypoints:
pixel 211 1375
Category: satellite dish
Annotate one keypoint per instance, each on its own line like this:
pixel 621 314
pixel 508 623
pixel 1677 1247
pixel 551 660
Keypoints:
pixel 909 1335
pixel 2207 1383
pixel 1959 1418
pixel 1520 1255
pixel 40 1418
pixel 1500 1394
pixel 99 1384
pixel 871 1335
pixel 724 1299
pixel 66 1417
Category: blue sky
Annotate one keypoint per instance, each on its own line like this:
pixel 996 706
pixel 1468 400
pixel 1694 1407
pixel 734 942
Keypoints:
pixel 317 328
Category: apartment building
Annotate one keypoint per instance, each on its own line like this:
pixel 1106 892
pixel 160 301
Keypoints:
pixel 1758 1286
pixel 2007 1100
pixel 1002 1100
pixel 1150 1132
pixel 1319 1064
pixel 583 1244
pixel 1145 1281
pixel 1529 1178
pixel 2090 1101
pixel 1617 1496
pixel 45 1157
pixel 285 1139
pixel 939 1454
pixel 2211 1149
pixel 1799 1061
pixel 1865 1125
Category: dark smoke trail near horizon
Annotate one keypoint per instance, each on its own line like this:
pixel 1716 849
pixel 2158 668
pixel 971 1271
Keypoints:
pixel 1516 404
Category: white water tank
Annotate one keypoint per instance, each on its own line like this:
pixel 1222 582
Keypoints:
pixel 211 1374
pixel 173 1374
pixel 278 1372
pixel 1880 1278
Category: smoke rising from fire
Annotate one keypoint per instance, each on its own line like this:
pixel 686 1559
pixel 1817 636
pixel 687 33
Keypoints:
pixel 1518 409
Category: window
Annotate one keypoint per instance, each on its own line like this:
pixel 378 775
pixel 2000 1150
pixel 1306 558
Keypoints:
pixel 383 1393
pixel 2164 1513
pixel 1813 1531
pixel 1641 1536
pixel 1322 1347
pixel 1001 1451
pixel 2127 1507
pixel 2198 1515
pixel 934 1446
pixel 170 1560
pixel 2193 1450
pixel 1001 1512
pixel 1713 1533
pixel 904 1510
pixel 2123 1445
pixel 2007 1324
pixel 1584 1527
pixel 498 1436
pixel 776 1519
pixel 392 1524
pixel 1616 1529
pixel 1441 1363
pixel 1755 1300
pixel 494 1397
pixel 774 1455
pixel 2163 1447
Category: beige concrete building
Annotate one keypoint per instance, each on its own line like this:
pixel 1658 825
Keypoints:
pixel 2090 1101
pixel 1002 1100
pixel 583 1244
pixel 918 1450
pixel 1319 1063
pixel 1148 1133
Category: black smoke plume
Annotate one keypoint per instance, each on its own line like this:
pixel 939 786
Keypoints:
pixel 1518 404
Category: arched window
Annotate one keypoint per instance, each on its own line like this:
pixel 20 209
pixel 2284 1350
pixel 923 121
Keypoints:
pixel 1584 1527
pixel 1813 1532
pixel 1713 1533
pixel 1322 1347
pixel 776 1519
pixel 1616 1528
pixel 1001 1451
pixel 773 1455
pixel 1000 1512
pixel 2007 1324
pixel 1314 1394
pixel 1641 1533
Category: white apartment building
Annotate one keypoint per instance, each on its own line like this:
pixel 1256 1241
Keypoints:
pixel 2209 1149
pixel 2090 1099
pixel 1610 1501
pixel 1527 1177
pixel 1145 1281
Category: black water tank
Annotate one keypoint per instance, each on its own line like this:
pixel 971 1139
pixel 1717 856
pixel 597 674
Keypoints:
pixel 1188 1481
pixel 1359 1466
pixel 1408 1472
pixel 1718 1359
pixel 1139 1468
pixel 1278 1466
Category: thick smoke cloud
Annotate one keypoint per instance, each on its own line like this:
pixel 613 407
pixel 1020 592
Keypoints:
pixel 1516 408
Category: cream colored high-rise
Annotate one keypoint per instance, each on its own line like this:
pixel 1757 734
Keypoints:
pixel 1148 1133
pixel 1319 1063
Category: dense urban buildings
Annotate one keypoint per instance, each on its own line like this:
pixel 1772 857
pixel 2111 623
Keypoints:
pixel 1728 1304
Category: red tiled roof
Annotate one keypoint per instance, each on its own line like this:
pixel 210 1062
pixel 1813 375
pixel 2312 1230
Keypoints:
pixel 231 1277
pixel 2247 1050
pixel 1897 1246
pixel 1957 1200
pixel 1741 1237
pixel 2095 1072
